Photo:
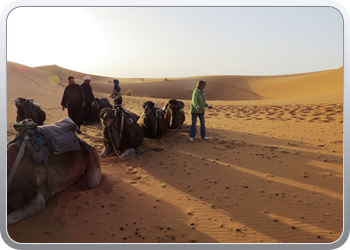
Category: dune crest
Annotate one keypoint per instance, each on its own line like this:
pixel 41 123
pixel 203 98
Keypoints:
pixel 231 88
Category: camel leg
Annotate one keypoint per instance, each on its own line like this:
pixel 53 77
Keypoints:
pixel 111 154
pixel 127 152
pixel 106 152
pixel 92 175
pixel 90 179
pixel 32 208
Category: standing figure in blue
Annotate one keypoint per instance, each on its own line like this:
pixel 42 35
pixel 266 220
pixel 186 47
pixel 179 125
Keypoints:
pixel 116 92
pixel 198 105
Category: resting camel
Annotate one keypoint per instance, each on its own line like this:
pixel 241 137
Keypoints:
pixel 31 183
pixel 121 133
pixel 28 108
pixel 174 114
pixel 153 123
pixel 96 107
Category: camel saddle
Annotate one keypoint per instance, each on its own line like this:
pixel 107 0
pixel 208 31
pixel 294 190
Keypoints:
pixel 51 139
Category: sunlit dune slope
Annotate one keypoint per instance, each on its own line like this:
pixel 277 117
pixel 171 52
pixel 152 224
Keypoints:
pixel 219 87
pixel 27 82
pixel 299 85
pixel 236 88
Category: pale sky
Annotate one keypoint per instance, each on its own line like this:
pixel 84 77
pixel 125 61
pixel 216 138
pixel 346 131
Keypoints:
pixel 177 41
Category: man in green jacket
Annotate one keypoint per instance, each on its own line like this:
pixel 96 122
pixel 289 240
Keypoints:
pixel 198 105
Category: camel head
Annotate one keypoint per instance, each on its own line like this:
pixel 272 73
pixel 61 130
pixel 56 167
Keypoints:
pixel 20 102
pixel 96 103
pixel 148 106
pixel 108 117
pixel 175 104
pixel 174 113
pixel 25 125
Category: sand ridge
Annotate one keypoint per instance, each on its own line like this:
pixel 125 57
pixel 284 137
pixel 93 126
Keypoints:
pixel 272 170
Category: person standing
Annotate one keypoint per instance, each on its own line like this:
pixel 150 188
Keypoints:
pixel 73 99
pixel 116 92
pixel 89 97
pixel 198 105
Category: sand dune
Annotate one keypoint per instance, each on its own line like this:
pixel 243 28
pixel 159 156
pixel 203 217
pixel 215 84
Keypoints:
pixel 231 88
pixel 271 172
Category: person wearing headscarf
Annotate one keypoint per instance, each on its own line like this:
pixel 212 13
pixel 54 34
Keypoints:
pixel 74 100
pixel 89 97
pixel 116 92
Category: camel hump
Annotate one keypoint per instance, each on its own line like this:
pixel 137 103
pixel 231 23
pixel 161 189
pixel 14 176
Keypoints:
pixel 35 104
pixel 105 103
pixel 174 104
pixel 160 111
pixel 133 118
pixel 66 123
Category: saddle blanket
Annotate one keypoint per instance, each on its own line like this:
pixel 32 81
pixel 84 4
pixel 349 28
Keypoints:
pixel 132 115
pixel 60 136
pixel 51 139
pixel 160 111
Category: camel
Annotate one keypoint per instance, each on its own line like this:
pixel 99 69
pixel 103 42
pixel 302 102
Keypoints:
pixel 121 133
pixel 31 183
pixel 97 106
pixel 174 114
pixel 153 123
pixel 28 108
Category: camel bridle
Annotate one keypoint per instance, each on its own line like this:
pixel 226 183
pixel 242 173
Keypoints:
pixel 120 136
pixel 156 126
pixel 121 131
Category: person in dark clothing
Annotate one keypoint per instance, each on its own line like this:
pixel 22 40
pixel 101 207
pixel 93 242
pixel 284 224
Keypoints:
pixel 73 99
pixel 89 97
pixel 116 92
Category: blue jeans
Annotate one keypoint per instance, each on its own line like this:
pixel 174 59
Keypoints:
pixel 194 123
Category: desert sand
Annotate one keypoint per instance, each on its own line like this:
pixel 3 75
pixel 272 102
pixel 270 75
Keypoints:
pixel 271 172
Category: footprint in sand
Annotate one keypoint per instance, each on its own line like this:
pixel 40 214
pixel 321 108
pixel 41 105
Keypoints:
pixel 97 192
pixel 119 199
pixel 106 188
pixel 337 142
pixel 96 140
pixel 132 168
pixel 74 211
pixel 135 180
